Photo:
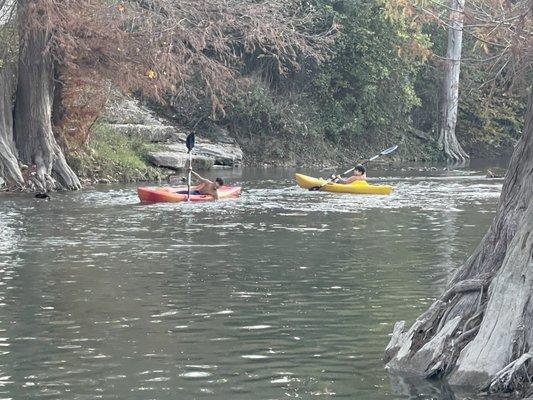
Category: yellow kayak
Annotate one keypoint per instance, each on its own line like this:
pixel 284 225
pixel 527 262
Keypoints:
pixel 357 187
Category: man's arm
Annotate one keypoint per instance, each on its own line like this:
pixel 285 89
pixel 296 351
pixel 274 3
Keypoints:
pixel 201 179
pixel 338 179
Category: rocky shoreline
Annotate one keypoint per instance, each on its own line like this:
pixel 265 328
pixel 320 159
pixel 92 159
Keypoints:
pixel 131 119
pixel 132 143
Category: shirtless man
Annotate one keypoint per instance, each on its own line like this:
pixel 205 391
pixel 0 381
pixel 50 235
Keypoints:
pixel 359 174
pixel 206 187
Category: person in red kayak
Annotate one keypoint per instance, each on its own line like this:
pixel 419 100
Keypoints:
pixel 359 174
pixel 206 187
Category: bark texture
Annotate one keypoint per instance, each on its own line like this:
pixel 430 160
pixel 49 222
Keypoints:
pixel 481 328
pixel 34 137
pixel 447 139
pixel 9 168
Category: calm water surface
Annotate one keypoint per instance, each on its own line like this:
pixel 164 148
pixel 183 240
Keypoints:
pixel 283 293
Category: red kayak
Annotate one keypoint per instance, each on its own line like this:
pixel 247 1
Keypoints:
pixel 179 193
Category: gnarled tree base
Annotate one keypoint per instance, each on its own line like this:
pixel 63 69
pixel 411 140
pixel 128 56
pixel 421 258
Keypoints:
pixel 9 167
pixel 34 137
pixel 453 151
pixel 481 328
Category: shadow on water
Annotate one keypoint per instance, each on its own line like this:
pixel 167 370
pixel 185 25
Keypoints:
pixel 410 387
pixel 282 293
pixel 416 388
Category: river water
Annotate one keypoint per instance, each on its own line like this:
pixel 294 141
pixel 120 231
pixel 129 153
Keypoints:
pixel 283 293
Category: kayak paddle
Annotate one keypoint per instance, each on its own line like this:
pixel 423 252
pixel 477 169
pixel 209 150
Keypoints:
pixel 383 153
pixel 189 142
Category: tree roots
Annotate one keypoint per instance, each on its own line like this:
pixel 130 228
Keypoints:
pixel 512 377
pixel 438 336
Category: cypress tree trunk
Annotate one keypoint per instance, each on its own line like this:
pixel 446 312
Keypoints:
pixel 9 168
pixel 447 139
pixel 34 137
pixel 480 331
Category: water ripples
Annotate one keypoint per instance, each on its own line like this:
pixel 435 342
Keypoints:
pixel 282 293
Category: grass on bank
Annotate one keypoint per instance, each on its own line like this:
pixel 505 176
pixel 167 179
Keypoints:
pixel 114 157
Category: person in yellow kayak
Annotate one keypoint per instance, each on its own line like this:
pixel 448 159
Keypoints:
pixel 359 174
pixel 207 187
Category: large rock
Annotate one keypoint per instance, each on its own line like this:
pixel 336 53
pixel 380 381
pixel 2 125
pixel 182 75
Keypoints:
pixel 178 161
pixel 132 119
pixel 205 155
pixel 121 110
pixel 222 154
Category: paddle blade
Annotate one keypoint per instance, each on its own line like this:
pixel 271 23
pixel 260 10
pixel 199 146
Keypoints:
pixel 189 142
pixel 389 150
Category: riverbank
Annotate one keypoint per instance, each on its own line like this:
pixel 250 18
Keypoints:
pixel 122 156
pixel 309 151
pixel 130 142
pixel 110 157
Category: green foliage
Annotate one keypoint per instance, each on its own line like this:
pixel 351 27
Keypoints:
pixel 428 84
pixel 111 155
pixel 378 86
pixel 367 88
pixel 363 94
pixel 493 120
pixel 129 152
pixel 260 112
pixel 489 117
pixel 489 113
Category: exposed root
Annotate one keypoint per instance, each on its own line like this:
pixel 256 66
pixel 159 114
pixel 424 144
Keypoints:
pixel 452 148
pixel 395 341
pixel 9 168
pixel 491 317
pixel 444 318
pixel 467 285
pixel 472 318
pixel 445 352
pixel 512 377
pixel 466 335
pixel 437 338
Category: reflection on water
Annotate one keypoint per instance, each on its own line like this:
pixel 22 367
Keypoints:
pixel 282 293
